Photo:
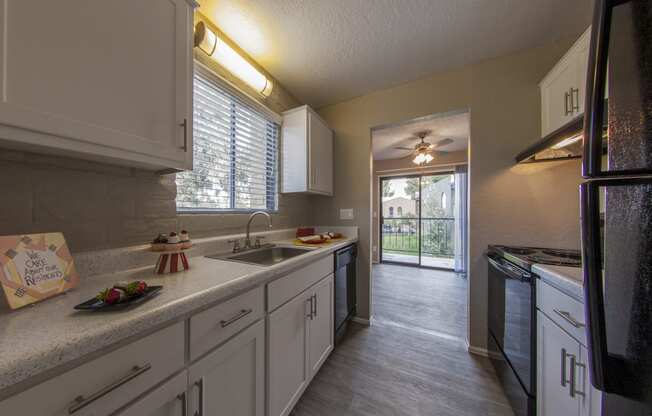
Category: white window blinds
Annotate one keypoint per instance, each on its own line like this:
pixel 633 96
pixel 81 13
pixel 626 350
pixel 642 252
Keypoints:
pixel 235 153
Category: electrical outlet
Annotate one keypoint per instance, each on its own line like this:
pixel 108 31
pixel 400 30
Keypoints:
pixel 346 214
pixel 373 249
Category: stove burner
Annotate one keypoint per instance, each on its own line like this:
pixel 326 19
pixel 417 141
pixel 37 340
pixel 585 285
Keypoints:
pixel 518 250
pixel 566 254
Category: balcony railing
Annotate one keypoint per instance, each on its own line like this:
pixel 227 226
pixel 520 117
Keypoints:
pixel 437 236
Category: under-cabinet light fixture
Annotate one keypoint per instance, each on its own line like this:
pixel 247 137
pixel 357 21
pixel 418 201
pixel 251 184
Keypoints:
pixel 210 43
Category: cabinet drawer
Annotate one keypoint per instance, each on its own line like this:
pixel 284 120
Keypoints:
pixel 287 287
pixel 106 383
pixel 562 309
pixel 219 323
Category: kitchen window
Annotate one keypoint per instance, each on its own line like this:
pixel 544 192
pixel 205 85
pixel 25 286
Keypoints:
pixel 235 151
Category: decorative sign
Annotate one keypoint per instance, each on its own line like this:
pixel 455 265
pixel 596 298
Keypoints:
pixel 34 267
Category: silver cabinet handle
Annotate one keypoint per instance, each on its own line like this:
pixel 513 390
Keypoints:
pixel 566 106
pixel 566 316
pixel 184 403
pixel 81 401
pixel 184 124
pixel 240 315
pixel 575 102
pixel 564 354
pixel 200 409
pixel 310 315
pixel 573 377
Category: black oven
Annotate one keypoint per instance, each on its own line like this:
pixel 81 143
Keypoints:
pixel 511 338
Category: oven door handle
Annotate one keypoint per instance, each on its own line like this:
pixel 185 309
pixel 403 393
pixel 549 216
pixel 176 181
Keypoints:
pixel 510 272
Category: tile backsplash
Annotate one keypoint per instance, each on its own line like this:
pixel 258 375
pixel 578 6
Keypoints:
pixel 100 206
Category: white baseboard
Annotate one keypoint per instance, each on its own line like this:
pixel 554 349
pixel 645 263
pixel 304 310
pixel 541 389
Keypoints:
pixel 361 321
pixel 476 350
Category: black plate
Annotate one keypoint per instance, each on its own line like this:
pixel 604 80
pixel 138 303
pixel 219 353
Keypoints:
pixel 97 305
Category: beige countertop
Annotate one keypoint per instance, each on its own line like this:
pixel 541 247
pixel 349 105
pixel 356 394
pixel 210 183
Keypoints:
pixel 42 340
pixel 566 279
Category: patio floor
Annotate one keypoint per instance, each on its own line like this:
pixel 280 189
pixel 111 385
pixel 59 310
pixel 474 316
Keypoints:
pixel 440 262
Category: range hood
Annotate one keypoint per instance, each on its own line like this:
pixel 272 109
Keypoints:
pixel 564 143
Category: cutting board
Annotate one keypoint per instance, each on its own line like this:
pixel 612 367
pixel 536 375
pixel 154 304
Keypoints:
pixel 298 242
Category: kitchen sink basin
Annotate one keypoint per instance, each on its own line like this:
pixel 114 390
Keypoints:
pixel 266 256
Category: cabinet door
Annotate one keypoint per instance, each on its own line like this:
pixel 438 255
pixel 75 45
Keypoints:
pixel 231 379
pixel 321 328
pixel 591 401
pixel 555 350
pixel 111 79
pixel 556 95
pixel 581 68
pixel 321 155
pixel 288 371
pixel 170 399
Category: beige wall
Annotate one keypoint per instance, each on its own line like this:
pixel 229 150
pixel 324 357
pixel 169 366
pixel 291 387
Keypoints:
pixel 517 205
pixel 102 206
pixel 399 167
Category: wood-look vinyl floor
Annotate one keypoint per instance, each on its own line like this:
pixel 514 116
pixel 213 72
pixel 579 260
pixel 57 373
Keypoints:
pixel 412 360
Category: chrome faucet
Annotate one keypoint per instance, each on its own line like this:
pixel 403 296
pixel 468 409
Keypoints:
pixel 247 242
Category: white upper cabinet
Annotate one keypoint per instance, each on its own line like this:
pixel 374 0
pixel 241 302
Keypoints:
pixel 102 80
pixel 563 88
pixel 307 153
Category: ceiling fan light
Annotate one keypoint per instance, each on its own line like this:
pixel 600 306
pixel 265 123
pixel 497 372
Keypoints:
pixel 421 158
pixel 428 158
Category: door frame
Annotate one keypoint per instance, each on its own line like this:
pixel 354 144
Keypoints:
pixel 381 179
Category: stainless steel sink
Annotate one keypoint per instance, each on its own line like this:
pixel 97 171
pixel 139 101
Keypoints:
pixel 266 256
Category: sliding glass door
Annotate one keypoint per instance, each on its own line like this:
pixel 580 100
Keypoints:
pixel 418 217
pixel 399 222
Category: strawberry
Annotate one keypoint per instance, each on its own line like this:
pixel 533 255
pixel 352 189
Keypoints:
pixel 135 288
pixel 110 296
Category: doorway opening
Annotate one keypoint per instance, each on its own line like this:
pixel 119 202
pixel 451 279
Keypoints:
pixel 418 219
pixel 420 225
pixel 420 192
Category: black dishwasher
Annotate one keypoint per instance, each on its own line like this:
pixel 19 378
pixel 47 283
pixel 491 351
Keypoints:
pixel 345 266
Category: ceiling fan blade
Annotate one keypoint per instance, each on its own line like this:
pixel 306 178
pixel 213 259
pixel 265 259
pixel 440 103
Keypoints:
pixel 443 142
pixel 404 148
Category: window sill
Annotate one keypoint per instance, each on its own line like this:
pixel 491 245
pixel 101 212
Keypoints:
pixel 223 212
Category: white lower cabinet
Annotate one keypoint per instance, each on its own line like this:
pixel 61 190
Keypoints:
pixel 592 403
pixel 554 368
pixel 105 384
pixel 563 386
pixel 230 381
pixel 288 339
pixel 170 399
pixel 300 340
pixel 220 361
pixel 320 329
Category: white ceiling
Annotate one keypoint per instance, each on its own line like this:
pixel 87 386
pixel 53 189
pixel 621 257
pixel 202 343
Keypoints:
pixel 327 51
pixel 444 126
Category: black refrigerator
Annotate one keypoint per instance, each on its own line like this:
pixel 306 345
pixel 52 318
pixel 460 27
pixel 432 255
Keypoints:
pixel 616 206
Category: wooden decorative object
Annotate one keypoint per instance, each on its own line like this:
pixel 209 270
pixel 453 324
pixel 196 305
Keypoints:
pixel 172 262
pixel 34 267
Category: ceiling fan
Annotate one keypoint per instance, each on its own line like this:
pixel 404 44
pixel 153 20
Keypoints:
pixel 423 150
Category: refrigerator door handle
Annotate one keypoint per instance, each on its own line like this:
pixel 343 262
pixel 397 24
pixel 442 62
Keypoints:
pixel 593 290
pixel 595 85
pixel 605 370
